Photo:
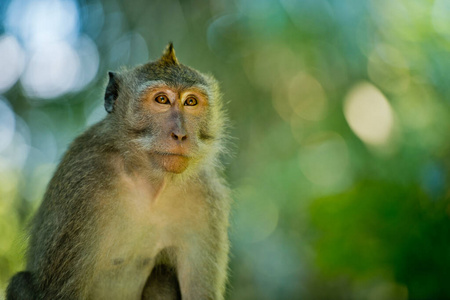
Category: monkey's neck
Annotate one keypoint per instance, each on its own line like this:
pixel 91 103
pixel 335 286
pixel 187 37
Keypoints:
pixel 158 187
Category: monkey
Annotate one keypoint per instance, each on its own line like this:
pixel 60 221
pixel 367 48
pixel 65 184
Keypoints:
pixel 138 207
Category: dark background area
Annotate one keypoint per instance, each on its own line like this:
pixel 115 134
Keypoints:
pixel 340 129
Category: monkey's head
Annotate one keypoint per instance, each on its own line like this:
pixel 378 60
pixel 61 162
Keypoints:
pixel 167 111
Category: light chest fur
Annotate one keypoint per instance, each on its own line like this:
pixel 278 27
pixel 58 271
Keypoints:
pixel 144 220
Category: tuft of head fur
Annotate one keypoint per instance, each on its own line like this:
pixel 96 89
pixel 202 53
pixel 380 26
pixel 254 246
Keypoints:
pixel 168 56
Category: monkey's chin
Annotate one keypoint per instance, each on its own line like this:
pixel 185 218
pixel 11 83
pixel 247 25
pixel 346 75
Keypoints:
pixel 173 163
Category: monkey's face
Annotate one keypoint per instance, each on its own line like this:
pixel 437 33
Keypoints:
pixel 173 118
pixel 168 112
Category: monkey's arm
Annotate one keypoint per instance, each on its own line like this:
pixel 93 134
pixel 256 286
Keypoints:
pixel 64 232
pixel 202 269
pixel 202 266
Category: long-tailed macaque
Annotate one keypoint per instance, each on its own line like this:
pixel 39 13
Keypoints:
pixel 137 208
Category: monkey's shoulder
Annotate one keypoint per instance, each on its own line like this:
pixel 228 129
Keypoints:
pixel 84 170
pixel 213 182
pixel 215 190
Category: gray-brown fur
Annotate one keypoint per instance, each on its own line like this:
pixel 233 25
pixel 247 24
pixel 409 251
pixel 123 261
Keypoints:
pixel 123 220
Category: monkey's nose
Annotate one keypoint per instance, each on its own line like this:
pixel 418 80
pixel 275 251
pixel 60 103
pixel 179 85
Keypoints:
pixel 178 136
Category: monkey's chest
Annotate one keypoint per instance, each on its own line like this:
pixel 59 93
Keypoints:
pixel 139 229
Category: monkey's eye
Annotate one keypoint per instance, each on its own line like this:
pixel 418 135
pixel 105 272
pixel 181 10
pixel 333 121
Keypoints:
pixel 191 101
pixel 162 99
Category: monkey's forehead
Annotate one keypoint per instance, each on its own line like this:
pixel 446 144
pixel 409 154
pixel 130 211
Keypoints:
pixel 173 75
pixel 151 86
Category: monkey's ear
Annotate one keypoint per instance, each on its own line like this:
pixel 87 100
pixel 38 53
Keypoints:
pixel 169 55
pixel 112 92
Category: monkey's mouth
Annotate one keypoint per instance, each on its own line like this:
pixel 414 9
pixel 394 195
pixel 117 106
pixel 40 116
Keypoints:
pixel 172 162
pixel 171 154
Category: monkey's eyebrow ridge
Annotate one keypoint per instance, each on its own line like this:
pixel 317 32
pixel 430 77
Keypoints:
pixel 156 84
pixel 148 85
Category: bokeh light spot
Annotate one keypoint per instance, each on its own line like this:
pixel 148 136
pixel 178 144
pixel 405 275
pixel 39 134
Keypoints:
pixel 12 61
pixel 369 114
pixel 307 97
pixel 60 60
pixel 89 62
pixel 51 71
pixel 39 23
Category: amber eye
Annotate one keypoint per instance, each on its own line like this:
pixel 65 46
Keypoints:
pixel 162 99
pixel 190 101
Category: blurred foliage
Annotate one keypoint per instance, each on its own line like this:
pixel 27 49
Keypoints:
pixel 340 124
pixel 389 230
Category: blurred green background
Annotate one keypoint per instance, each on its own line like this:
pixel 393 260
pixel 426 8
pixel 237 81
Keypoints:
pixel 340 123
